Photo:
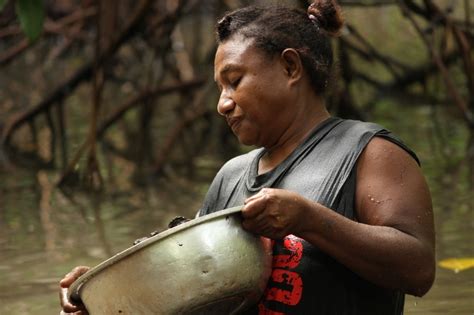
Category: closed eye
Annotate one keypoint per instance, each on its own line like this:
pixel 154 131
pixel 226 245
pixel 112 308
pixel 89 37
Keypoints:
pixel 235 83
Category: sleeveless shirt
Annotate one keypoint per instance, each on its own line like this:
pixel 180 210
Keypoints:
pixel 322 168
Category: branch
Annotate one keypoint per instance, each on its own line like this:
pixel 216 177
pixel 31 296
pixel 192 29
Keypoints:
pixel 197 110
pixel 367 3
pixel 450 85
pixel 140 98
pixel 10 31
pixel 55 27
pixel 52 26
pixel 56 96
pixel 372 54
pixel 411 76
pixel 82 74
pixel 420 73
pixel 14 51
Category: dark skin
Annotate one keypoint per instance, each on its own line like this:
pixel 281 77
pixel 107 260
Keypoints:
pixel 391 245
pixel 67 306
pixel 392 242
pixel 269 102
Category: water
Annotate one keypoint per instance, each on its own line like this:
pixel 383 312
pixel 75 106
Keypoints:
pixel 41 240
pixel 452 293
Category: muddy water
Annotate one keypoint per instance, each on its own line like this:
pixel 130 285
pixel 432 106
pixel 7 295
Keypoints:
pixel 44 232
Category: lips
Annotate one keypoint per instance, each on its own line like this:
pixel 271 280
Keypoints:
pixel 234 122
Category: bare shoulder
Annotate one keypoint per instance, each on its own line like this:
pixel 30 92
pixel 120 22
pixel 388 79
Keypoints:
pixel 382 151
pixel 391 189
pixel 383 160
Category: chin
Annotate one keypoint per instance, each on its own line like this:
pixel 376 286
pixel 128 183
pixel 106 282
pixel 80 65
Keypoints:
pixel 246 140
pixel 247 136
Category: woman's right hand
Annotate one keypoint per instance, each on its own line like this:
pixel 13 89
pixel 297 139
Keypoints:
pixel 67 306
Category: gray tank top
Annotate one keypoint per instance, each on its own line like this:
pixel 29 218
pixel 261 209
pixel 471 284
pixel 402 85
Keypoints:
pixel 305 280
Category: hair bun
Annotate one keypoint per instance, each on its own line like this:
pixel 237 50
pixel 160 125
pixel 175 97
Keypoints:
pixel 328 16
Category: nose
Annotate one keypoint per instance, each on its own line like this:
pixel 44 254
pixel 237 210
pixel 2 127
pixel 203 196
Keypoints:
pixel 225 105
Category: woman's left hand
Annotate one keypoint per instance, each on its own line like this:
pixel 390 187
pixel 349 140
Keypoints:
pixel 274 213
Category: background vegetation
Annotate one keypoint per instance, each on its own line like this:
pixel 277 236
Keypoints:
pixel 133 80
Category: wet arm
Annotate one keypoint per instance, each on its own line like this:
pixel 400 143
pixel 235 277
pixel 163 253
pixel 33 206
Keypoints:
pixel 392 244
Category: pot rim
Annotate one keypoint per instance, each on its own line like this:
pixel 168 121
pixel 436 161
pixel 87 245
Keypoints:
pixel 75 288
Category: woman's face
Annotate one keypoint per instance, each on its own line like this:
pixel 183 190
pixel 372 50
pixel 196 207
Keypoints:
pixel 255 94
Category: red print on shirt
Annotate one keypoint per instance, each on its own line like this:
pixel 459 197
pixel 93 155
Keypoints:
pixel 282 274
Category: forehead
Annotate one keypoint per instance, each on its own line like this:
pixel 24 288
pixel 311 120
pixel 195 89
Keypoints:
pixel 236 52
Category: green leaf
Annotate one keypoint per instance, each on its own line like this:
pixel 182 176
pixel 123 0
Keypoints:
pixel 31 15
pixel 2 4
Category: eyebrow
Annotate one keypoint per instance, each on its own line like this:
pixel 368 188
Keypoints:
pixel 227 68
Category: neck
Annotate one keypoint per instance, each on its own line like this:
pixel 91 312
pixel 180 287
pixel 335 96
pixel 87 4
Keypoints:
pixel 297 132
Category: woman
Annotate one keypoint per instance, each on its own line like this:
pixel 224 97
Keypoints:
pixel 344 201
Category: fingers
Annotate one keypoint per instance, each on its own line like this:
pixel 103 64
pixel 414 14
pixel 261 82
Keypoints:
pixel 67 306
pixel 256 224
pixel 258 215
pixel 253 209
pixel 72 276
pixel 265 225
pixel 273 213
pixel 255 204
pixel 253 197
pixel 65 283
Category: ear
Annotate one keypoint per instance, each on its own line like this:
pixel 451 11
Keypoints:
pixel 292 64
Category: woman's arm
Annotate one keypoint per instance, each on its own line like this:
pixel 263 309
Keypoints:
pixel 391 245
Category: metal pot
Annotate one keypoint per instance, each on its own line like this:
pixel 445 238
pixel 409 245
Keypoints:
pixel 209 265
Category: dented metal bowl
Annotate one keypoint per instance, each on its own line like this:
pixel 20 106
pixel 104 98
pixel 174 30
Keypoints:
pixel 209 265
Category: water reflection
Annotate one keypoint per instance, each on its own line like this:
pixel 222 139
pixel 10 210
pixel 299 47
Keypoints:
pixel 45 232
pixel 94 202
pixel 45 209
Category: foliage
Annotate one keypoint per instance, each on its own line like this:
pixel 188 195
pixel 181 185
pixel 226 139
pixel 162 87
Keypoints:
pixel 135 78
pixel 31 15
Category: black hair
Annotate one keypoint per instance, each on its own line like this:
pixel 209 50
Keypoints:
pixel 274 29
